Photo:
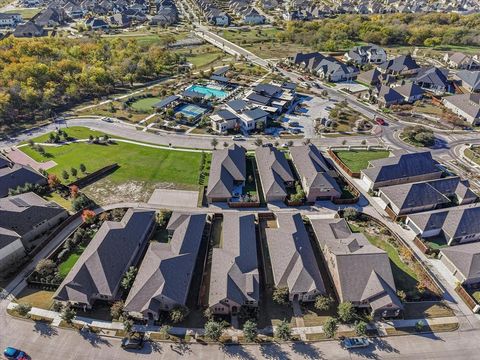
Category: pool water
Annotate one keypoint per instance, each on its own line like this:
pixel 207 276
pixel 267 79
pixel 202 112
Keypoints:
pixel 208 91
pixel 190 110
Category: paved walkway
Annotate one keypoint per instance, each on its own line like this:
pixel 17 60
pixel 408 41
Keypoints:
pixel 19 157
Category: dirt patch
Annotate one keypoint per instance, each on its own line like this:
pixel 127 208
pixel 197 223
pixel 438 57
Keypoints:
pixel 106 192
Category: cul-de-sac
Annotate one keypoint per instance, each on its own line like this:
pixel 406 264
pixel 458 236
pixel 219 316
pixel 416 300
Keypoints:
pixel 239 179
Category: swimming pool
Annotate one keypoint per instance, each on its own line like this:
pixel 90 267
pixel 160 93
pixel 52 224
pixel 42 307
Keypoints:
pixel 208 91
pixel 190 111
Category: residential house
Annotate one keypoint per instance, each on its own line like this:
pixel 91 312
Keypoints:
pixel 371 77
pixel 29 29
pixel 96 24
pixel 326 67
pixel 252 17
pixel 293 262
pixel 410 92
pixel 469 80
pixel 433 79
pixel 314 173
pixel 275 174
pixel 388 96
pixel 24 219
pixel 461 61
pixel 416 197
pixel 234 280
pixel 98 272
pixel 364 54
pixel 402 65
pixel 227 174
pixel 464 262
pixel 166 15
pixel 13 175
pixel 401 169
pixel 165 275
pixel 50 17
pixel 120 20
pixel 465 105
pixel 9 20
pixel 456 225
pixel 361 272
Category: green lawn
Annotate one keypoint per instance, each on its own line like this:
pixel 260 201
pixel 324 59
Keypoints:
pixel 145 104
pixel 473 154
pixel 27 14
pixel 136 163
pixel 357 160
pixel 65 267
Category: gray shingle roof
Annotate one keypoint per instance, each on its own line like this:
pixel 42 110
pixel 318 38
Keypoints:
pixel 409 90
pixel 403 166
pixel 274 171
pixel 455 222
pixel 433 76
pixel 293 263
pixel 428 193
pixel 166 101
pixel 227 167
pixel 18 175
pixel 102 265
pixel 400 63
pixel 472 78
pixel 466 258
pixel 364 270
pixel 167 268
pixel 234 273
pixel 312 166
pixel 469 103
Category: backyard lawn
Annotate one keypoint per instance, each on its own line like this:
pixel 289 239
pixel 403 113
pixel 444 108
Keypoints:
pixel 145 104
pixel 357 160
pixel 65 267
pixel 36 298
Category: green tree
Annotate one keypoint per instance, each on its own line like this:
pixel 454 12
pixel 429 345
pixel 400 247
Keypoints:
pixel 127 325
pixel 83 168
pixel 45 267
pixel 65 175
pixel 129 278
pixel 280 295
pixel 258 142
pixel 177 314
pixel 330 327
pixel 213 330
pixel 346 312
pixel 74 172
pixel 68 314
pixel 250 331
pixel 23 309
pixel 360 328
pixel 323 302
pixel 116 310
pixel 350 213
pixel 81 202
pixel 283 331
pixel 214 143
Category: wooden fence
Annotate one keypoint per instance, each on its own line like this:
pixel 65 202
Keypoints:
pixel 341 164
pixel 90 178
pixel 467 298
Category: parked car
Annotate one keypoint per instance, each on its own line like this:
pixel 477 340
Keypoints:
pixel 238 137
pixel 14 354
pixel 380 121
pixel 133 341
pixel 293 123
pixel 107 119
pixel 355 342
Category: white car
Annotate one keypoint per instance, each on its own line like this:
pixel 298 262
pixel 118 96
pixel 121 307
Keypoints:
pixel 237 137
pixel 107 119
pixel 355 342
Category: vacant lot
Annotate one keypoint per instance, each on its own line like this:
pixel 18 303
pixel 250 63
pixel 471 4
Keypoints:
pixel 357 160
pixel 141 168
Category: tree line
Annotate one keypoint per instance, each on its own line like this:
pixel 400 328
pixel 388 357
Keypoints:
pixel 41 76
pixel 343 31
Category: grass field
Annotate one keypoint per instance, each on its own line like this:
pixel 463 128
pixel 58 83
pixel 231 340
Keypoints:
pixel 27 14
pixel 136 162
pixel 473 154
pixel 65 267
pixel 145 104
pixel 76 132
pixel 36 298
pixel 357 160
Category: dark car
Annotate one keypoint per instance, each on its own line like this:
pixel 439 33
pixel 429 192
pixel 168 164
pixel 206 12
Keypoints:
pixel 133 341
pixel 14 354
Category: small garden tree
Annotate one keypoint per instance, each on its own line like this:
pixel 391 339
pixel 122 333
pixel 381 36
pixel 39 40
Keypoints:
pixel 213 330
pixel 127 325
pixel 68 314
pixel 361 328
pixel 74 172
pixel 88 216
pixel 214 143
pixel 280 295
pixel 74 191
pixel 23 309
pixel 350 213
pixel 283 331
pixel 258 142
pixel 45 267
pixel 250 331
pixel 65 175
pixel 330 327
pixel 177 314
pixel 53 181
pixel 129 278
pixel 116 310
pixel 81 202
pixel 323 302
pixel 83 168
pixel 346 312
